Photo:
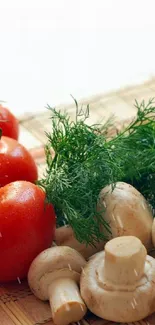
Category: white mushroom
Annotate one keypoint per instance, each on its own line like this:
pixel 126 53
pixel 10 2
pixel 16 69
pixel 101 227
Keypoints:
pixel 64 236
pixel 54 275
pixel 118 284
pixel 127 212
pixel 153 232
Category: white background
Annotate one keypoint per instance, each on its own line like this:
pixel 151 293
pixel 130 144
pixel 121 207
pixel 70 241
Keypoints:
pixel 50 49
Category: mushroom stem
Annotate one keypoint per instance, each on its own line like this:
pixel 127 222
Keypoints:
pixel 124 260
pixel 66 303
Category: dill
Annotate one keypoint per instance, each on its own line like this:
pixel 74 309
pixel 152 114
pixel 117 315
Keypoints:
pixel 86 160
pixel 137 146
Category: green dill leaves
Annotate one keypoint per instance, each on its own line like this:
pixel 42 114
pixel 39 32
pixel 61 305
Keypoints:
pixel 85 161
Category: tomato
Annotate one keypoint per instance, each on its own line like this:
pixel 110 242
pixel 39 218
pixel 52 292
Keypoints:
pixel 27 226
pixel 8 123
pixel 16 163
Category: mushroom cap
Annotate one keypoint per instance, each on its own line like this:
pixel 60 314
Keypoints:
pixel 64 236
pixel 119 301
pixel 153 232
pixel 51 264
pixel 127 212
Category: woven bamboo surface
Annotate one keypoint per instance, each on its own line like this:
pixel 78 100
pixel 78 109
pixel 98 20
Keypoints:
pixel 18 306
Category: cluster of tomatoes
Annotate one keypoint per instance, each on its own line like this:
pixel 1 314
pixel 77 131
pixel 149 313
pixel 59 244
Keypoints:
pixel 27 222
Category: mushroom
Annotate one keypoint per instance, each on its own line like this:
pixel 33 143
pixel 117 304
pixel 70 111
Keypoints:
pixel 153 232
pixel 64 236
pixel 118 284
pixel 127 212
pixel 54 275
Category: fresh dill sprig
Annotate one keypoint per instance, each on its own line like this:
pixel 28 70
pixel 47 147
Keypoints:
pixel 85 161
pixel 138 145
pixel 81 166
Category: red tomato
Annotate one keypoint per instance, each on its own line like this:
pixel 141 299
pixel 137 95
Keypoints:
pixel 8 123
pixel 16 163
pixel 27 226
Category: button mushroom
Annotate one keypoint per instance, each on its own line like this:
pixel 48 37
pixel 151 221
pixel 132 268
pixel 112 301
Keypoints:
pixel 54 275
pixel 127 212
pixel 118 284
pixel 64 236
pixel 153 232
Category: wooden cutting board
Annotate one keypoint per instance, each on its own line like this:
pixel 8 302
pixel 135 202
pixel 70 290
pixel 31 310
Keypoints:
pixel 18 306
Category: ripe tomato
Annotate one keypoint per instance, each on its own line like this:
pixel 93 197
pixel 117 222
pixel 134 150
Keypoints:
pixel 27 226
pixel 16 163
pixel 8 123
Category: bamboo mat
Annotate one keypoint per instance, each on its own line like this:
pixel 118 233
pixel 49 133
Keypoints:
pixel 18 306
